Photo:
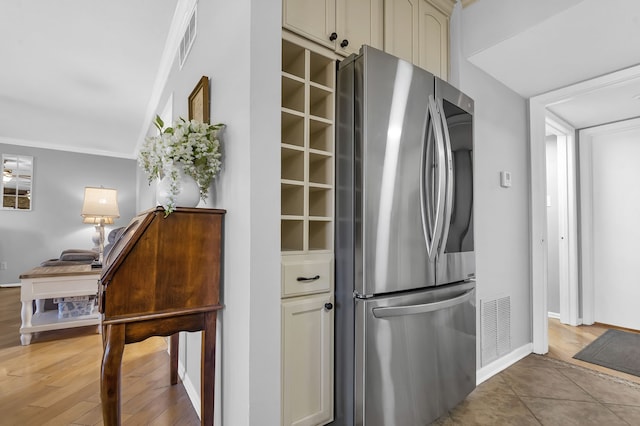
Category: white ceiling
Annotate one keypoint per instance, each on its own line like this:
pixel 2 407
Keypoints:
pixel 538 46
pixel 78 75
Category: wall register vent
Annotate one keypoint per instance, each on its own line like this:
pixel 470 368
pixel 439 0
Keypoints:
pixel 188 38
pixel 495 323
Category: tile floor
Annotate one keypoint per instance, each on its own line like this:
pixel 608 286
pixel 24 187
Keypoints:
pixel 542 391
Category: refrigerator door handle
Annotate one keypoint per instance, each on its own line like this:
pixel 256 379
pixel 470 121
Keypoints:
pixel 432 217
pixel 394 311
pixel 448 204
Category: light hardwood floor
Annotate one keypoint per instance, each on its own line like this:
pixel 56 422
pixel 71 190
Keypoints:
pixel 565 341
pixel 56 379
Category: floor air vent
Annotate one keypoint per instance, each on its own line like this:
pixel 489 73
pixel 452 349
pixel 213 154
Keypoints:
pixel 495 317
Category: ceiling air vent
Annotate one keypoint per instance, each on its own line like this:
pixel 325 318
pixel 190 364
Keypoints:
pixel 189 37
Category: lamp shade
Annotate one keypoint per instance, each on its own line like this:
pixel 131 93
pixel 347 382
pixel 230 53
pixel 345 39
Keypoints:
pixel 100 203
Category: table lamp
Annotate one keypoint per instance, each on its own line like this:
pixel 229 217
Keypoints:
pixel 100 207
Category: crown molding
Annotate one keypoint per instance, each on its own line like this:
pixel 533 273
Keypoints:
pixel 67 148
pixel 445 6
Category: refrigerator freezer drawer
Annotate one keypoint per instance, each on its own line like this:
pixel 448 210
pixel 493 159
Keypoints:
pixel 415 355
pixel 306 274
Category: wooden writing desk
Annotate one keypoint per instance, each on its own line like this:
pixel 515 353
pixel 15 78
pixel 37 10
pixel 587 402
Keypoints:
pixel 161 277
pixel 47 282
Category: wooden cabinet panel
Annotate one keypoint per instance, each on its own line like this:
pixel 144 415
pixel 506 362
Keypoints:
pixel 401 28
pixel 307 360
pixel 433 27
pixel 351 22
pixel 358 22
pixel 418 31
pixel 306 274
pixel 313 19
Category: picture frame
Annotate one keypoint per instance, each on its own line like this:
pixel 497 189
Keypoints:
pixel 199 101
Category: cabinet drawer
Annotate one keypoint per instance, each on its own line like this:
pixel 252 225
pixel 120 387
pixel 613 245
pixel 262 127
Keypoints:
pixel 305 275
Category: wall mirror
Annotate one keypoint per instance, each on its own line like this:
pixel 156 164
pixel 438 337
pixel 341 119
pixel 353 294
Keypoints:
pixel 17 181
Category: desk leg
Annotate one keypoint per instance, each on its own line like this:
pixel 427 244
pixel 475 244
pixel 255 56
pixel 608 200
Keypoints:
pixel 40 306
pixel 110 374
pixel 174 343
pixel 208 369
pixel 26 314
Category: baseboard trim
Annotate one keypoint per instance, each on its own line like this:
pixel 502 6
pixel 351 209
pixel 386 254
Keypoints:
pixel 554 315
pixel 500 364
pixel 9 285
pixel 194 397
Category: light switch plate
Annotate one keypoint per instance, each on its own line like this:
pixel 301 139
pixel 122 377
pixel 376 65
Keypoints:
pixel 505 179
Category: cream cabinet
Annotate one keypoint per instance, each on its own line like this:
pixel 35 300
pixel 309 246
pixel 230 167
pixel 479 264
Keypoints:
pixel 307 360
pixel 307 117
pixel 341 25
pixel 418 31
pixel 306 226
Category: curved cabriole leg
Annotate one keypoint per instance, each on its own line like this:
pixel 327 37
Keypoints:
pixel 110 374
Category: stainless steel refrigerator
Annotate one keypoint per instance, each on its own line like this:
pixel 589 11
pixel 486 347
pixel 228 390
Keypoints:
pixel 405 263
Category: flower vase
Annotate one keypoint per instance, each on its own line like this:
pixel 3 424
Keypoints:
pixel 188 191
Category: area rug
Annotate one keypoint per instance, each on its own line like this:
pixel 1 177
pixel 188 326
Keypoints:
pixel 615 349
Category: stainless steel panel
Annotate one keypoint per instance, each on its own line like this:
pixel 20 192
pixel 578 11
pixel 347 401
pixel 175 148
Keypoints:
pixel 456 260
pixel 344 245
pixel 411 369
pixel 391 253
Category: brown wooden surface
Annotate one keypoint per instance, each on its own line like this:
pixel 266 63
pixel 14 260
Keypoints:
pixel 60 271
pixel 56 379
pixel 163 278
pixel 174 263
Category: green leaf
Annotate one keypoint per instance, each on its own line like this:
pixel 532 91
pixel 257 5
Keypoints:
pixel 158 123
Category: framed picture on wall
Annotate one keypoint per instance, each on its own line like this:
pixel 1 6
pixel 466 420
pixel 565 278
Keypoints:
pixel 199 101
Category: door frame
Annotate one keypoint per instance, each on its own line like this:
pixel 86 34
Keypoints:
pixel 567 217
pixel 538 226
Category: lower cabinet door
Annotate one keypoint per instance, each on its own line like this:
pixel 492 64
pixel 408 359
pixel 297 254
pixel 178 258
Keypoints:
pixel 307 360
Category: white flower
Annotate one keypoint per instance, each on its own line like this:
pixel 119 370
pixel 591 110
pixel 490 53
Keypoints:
pixel 193 144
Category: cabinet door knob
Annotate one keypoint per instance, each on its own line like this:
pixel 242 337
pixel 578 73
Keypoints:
pixel 344 43
pixel 333 36
pixel 328 306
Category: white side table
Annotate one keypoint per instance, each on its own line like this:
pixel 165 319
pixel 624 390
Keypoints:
pixel 55 281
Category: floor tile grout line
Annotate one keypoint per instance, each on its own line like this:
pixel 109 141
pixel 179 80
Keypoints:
pixel 520 399
pixel 601 403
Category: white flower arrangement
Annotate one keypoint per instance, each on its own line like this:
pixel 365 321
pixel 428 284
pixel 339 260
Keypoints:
pixel 192 145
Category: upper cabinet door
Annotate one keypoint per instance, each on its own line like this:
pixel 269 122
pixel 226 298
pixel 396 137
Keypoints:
pixel 358 22
pixel 313 19
pixel 418 31
pixel 433 29
pixel 401 28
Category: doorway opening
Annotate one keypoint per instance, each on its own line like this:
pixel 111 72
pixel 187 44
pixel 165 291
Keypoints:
pixel 561 224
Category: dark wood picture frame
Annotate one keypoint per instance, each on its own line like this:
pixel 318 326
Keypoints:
pixel 199 101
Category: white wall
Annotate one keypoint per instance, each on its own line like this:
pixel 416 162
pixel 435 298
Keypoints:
pixel 238 46
pixel 54 223
pixel 493 21
pixel 501 215
pixel 553 233
pixel 615 213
